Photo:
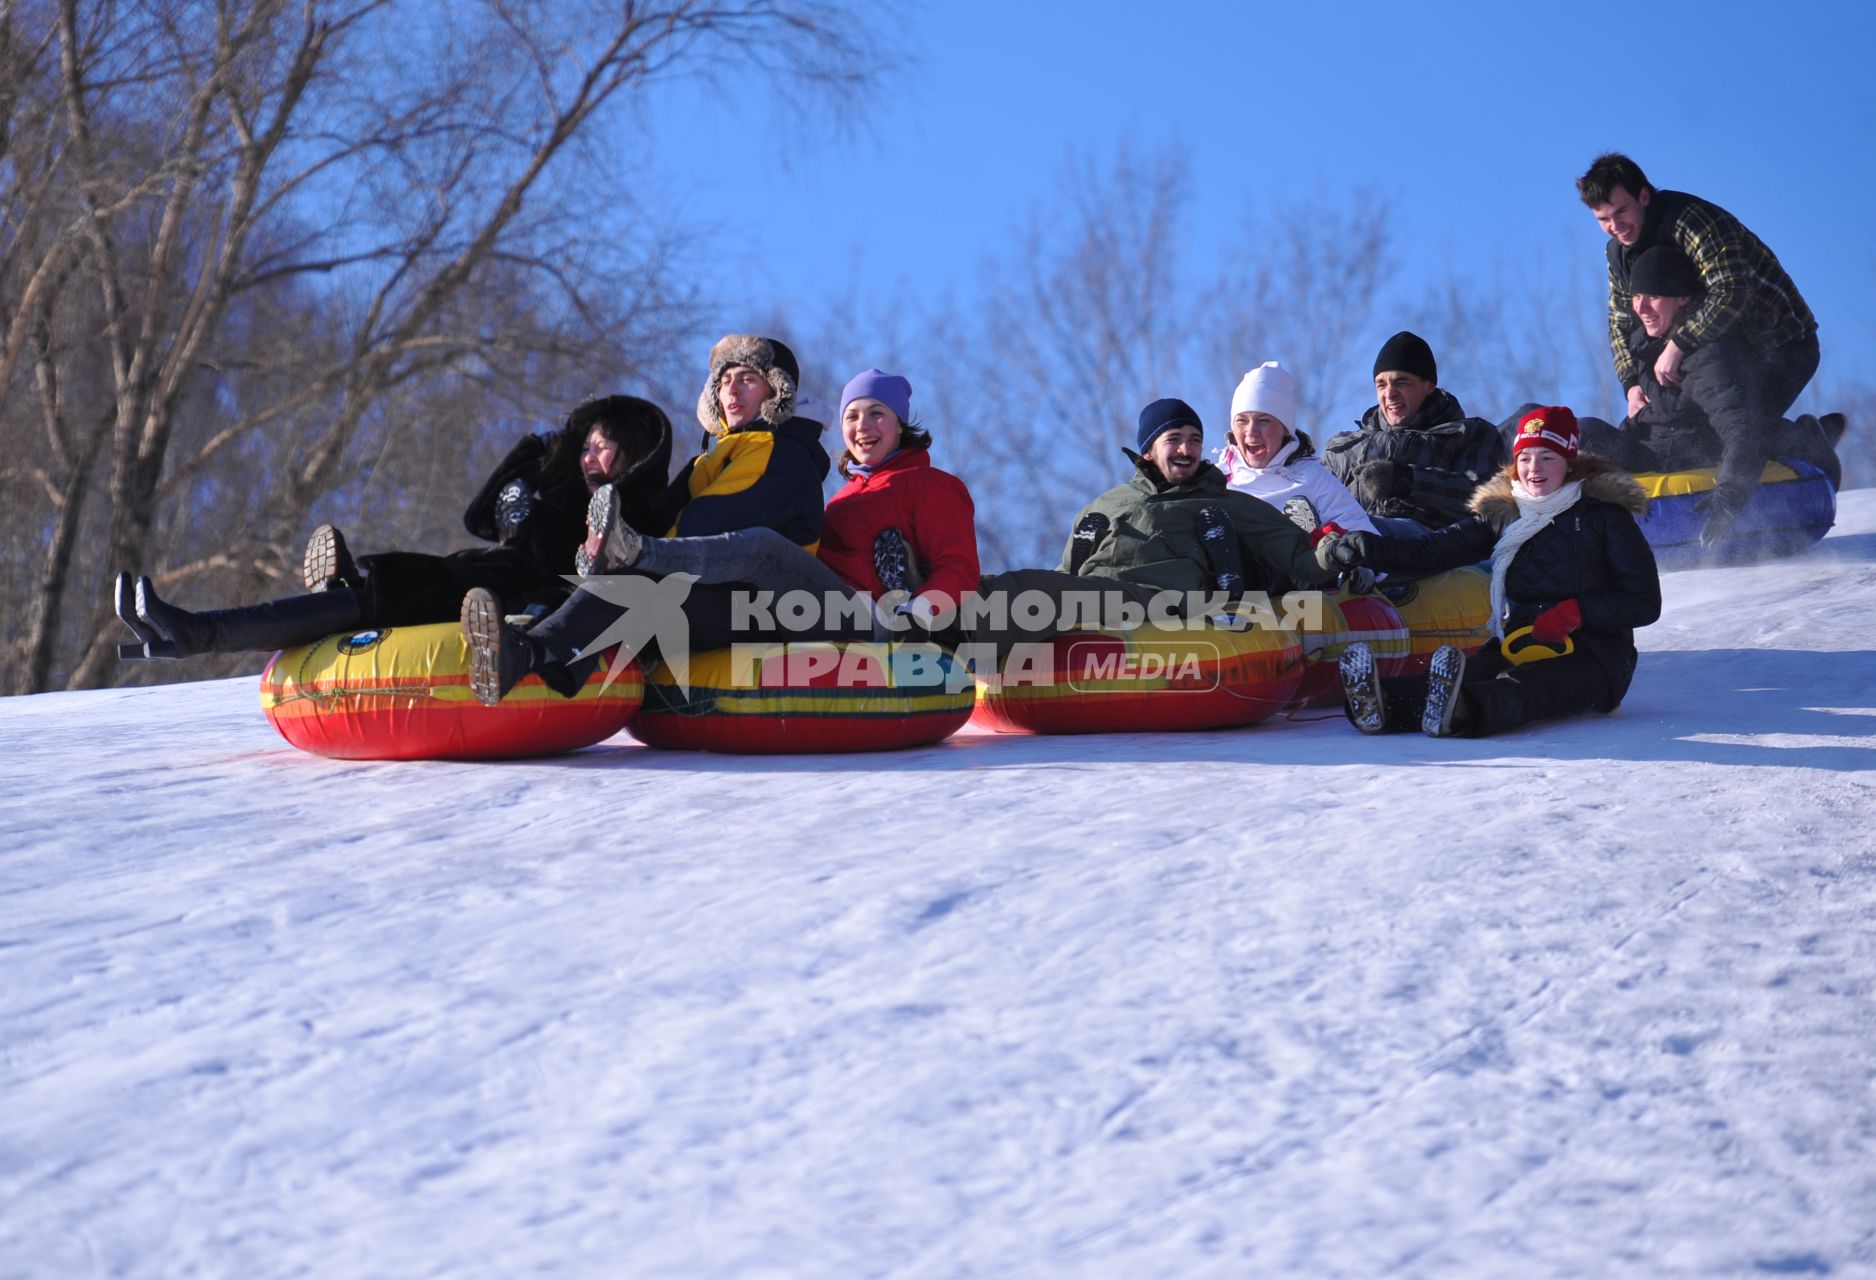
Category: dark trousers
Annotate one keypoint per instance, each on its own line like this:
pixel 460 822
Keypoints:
pixel 1504 696
pixel 1500 696
pixel 1727 411
pixel 410 588
pixel 572 628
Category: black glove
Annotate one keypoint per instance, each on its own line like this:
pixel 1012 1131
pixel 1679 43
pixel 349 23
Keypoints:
pixel 1358 581
pixel 1376 482
pixel 1349 550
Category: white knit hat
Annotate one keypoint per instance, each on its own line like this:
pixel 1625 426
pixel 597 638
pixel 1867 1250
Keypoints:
pixel 1270 389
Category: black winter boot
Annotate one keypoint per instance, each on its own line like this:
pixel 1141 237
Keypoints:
pixel 256 628
pixel 150 642
pixel 1814 440
pixel 1087 536
pixel 1361 689
pixel 327 562
pixel 1721 509
pixel 1377 704
pixel 1220 542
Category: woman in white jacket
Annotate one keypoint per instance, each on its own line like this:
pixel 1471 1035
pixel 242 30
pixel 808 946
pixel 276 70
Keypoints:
pixel 1268 458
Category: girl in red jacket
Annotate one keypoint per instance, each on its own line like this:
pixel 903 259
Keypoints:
pixel 899 524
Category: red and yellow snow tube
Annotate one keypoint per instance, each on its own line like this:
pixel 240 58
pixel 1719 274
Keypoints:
pixel 1453 608
pixel 403 694
pixel 814 697
pixel 1345 619
pixel 1149 678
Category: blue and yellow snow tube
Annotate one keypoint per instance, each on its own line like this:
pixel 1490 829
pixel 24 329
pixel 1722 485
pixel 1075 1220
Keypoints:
pixel 1147 678
pixel 1793 507
pixel 813 697
pixel 402 693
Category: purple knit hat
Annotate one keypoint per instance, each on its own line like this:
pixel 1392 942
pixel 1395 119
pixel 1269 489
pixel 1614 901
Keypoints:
pixel 888 388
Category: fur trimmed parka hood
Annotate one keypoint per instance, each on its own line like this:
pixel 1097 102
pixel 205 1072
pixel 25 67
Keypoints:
pixel 1603 481
pixel 767 356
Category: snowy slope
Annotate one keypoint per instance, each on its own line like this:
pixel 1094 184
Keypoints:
pixel 1592 999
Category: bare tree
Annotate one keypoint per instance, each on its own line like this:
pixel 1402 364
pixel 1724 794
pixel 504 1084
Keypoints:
pixel 1039 382
pixel 1301 283
pixel 247 243
pixel 1038 387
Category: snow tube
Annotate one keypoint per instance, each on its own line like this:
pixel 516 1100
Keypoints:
pixel 403 694
pixel 1793 507
pixel 1148 678
pixel 1370 619
pixel 1454 608
pixel 766 699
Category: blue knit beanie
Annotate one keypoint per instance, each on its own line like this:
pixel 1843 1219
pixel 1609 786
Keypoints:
pixel 889 389
pixel 1163 415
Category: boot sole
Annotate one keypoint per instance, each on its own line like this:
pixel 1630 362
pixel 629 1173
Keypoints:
pixel 1088 533
pixel 326 558
pixel 1361 687
pixel 601 510
pixel 1444 676
pixel 485 632
pixel 892 564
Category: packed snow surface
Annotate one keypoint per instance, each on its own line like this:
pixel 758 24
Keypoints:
pixel 1590 999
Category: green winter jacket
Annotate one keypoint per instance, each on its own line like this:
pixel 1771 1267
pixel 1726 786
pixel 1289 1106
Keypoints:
pixel 1152 536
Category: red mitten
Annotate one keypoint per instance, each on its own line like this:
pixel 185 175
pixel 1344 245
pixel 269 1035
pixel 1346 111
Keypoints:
pixel 1325 531
pixel 1556 622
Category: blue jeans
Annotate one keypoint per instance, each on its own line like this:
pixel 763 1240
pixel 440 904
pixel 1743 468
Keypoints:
pixel 759 557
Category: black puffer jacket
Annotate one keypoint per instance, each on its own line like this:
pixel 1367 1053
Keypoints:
pixel 1673 423
pixel 1450 454
pixel 1594 553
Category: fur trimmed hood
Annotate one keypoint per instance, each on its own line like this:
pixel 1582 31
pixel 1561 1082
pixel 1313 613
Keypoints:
pixel 1602 482
pixel 768 356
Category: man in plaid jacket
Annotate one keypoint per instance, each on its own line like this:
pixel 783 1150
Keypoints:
pixel 1759 335
pixel 1414 459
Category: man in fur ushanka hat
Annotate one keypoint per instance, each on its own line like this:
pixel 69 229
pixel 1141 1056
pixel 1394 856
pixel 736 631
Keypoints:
pixel 762 466
pixel 767 358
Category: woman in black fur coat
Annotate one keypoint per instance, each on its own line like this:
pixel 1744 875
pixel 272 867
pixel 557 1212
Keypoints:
pixel 532 510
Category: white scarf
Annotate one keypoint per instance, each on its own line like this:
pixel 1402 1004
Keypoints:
pixel 1534 515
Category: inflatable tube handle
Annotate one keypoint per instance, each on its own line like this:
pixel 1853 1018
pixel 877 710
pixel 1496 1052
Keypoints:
pixel 1534 651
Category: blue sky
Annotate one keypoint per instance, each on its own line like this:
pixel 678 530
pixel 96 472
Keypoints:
pixel 1471 120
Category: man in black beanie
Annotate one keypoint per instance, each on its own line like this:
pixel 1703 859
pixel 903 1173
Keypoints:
pixel 1415 458
pixel 1708 415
